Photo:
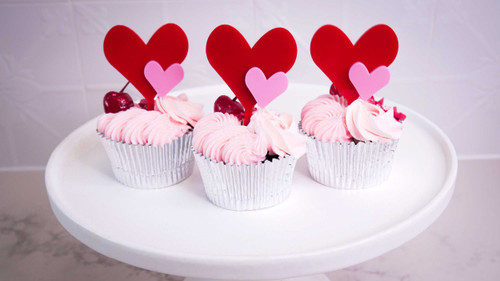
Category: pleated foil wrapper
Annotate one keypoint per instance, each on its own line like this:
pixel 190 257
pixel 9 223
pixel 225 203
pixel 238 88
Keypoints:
pixel 246 187
pixel 150 167
pixel 349 165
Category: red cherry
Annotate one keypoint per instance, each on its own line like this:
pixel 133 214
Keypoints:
pixel 115 102
pixel 143 104
pixel 334 91
pixel 225 104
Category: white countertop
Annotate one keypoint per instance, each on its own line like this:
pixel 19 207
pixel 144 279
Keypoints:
pixel 460 245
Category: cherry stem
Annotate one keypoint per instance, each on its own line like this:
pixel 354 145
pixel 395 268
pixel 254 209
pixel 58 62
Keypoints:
pixel 123 89
pixel 235 98
pixel 248 114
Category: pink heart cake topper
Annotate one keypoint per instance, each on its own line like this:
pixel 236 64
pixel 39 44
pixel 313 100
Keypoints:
pixel 366 83
pixel 265 90
pixel 163 81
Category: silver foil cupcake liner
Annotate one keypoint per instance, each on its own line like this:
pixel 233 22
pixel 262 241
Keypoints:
pixel 246 187
pixel 349 165
pixel 149 167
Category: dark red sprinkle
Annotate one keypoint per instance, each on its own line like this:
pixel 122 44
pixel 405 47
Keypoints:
pixel 399 115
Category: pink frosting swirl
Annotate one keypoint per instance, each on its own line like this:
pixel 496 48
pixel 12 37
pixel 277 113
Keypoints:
pixel 115 127
pixel 140 127
pixel 280 132
pixel 324 118
pixel 103 121
pixel 214 145
pixel 369 122
pixel 245 149
pixel 221 137
pixel 180 109
pixel 209 124
pixel 162 131
pixel 133 131
pixel 324 99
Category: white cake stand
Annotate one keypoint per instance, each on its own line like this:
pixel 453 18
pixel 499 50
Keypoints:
pixel 176 230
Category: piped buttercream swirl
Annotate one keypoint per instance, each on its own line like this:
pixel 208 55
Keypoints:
pixel 221 137
pixel 245 149
pixel 280 132
pixel 103 121
pixel 114 128
pixel 324 118
pixel 140 127
pixel 133 131
pixel 180 109
pixel 214 144
pixel 210 124
pixel 369 122
pixel 162 130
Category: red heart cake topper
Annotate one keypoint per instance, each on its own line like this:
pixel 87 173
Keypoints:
pixel 232 57
pixel 126 51
pixel 334 54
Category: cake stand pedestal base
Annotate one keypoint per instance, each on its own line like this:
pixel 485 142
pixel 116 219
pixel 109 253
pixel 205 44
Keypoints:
pixel 319 277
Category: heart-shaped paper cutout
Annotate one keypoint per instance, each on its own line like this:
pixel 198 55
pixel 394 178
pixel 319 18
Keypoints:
pixel 334 54
pixel 163 81
pixel 265 90
pixel 231 56
pixel 126 51
pixel 368 83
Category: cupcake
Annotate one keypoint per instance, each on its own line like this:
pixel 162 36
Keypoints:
pixel 247 154
pixel 247 167
pixel 349 146
pixel 151 149
pixel 149 143
pixel 351 137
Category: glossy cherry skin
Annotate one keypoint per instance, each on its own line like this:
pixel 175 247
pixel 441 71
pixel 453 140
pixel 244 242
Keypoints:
pixel 143 104
pixel 334 91
pixel 225 104
pixel 115 102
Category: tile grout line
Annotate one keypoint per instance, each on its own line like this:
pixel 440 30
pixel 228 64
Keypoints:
pixel 32 2
pixel 34 118
pixel 21 169
pixel 79 59
pixel 431 36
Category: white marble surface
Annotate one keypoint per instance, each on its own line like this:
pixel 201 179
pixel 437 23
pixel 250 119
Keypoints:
pixel 461 245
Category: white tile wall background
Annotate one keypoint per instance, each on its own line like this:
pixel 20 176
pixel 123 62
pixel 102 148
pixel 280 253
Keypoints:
pixel 53 73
